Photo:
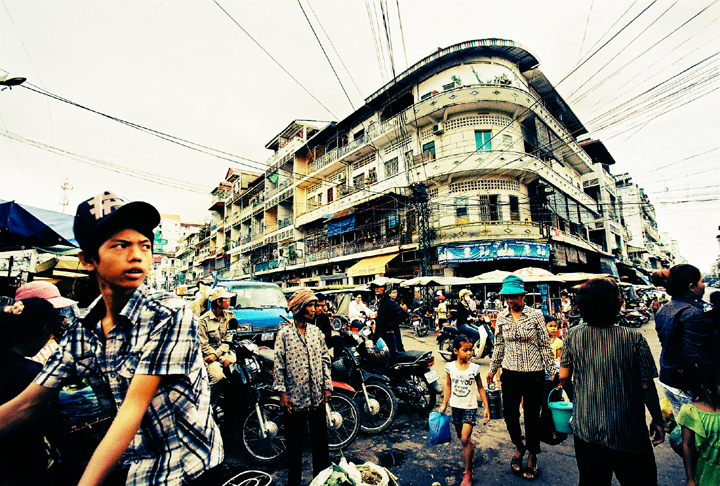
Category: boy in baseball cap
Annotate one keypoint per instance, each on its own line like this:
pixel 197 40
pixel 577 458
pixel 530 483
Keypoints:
pixel 140 352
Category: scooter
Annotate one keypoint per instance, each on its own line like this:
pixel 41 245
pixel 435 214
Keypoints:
pixel 421 324
pixel 481 348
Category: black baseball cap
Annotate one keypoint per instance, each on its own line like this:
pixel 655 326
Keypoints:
pixel 107 213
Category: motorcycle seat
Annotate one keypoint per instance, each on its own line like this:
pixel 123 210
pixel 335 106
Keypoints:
pixel 406 357
pixel 450 329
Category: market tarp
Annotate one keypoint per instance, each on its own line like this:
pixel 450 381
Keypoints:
pixel 436 281
pixel 371 265
pixel 342 225
pixel 27 226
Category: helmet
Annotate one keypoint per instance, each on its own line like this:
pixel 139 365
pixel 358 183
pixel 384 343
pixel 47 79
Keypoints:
pixel 382 282
pixel 439 293
pixel 463 293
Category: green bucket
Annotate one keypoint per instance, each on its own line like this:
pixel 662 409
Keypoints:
pixel 561 414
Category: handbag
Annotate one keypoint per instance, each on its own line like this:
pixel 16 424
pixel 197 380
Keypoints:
pixel 439 428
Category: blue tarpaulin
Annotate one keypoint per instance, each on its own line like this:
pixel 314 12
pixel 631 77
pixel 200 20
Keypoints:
pixel 22 225
pixel 343 225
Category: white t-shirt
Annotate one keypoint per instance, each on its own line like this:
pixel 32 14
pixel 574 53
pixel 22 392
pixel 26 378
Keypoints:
pixel 463 385
pixel 355 311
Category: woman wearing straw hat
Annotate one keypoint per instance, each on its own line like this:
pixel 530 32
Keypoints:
pixel 522 349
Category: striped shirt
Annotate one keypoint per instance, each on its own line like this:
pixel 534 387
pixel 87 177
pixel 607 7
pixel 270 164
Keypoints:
pixel 608 365
pixel 524 346
pixel 156 334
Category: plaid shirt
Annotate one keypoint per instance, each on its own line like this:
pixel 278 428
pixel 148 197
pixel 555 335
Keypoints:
pixel 155 335
pixel 302 366
pixel 524 346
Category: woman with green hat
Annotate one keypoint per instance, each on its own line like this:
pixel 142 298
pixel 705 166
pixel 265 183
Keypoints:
pixel 522 349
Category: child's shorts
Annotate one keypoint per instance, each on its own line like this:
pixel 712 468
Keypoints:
pixel 464 416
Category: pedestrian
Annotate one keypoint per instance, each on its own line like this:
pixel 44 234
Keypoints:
pixel 212 330
pixel 47 291
pixel 700 422
pixel 322 321
pixel 556 343
pixel 549 434
pixel 25 327
pixel 461 382
pixel 686 332
pixel 441 313
pixel 140 352
pixel 612 370
pixel 389 317
pixel 655 305
pixel 302 377
pixel 522 349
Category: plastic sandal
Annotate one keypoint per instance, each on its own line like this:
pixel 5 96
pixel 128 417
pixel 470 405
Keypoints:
pixel 533 471
pixel 467 479
pixel 517 461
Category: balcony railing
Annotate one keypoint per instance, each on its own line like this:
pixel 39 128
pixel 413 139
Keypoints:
pixel 284 222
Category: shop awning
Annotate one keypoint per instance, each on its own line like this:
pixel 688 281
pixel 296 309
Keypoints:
pixel 370 266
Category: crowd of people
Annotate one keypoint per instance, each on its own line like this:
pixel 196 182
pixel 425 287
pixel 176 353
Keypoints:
pixel 156 370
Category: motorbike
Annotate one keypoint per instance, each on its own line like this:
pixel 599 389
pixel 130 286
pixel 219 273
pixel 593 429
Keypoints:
pixel 412 378
pixel 375 400
pixel 421 323
pixel 632 318
pixel 481 348
pixel 249 412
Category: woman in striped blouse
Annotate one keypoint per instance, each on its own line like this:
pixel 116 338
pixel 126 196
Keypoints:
pixel 522 349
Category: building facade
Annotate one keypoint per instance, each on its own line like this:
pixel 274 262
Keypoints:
pixel 478 129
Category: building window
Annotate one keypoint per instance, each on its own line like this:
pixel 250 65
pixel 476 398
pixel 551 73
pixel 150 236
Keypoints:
pixel 488 208
pixel 359 181
pixel 429 147
pixel 391 167
pixel 461 210
pixel 482 140
pixel 372 176
pixel 330 195
pixel 514 209
pixel 408 159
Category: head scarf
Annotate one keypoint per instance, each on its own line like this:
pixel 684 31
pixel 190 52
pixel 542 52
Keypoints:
pixel 300 299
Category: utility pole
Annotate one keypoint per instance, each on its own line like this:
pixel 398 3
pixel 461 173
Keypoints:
pixel 422 214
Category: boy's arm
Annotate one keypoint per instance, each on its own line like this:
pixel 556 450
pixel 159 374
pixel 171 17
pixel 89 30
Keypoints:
pixel 483 397
pixel 657 429
pixel 689 454
pixel 20 409
pixel 446 394
pixel 126 424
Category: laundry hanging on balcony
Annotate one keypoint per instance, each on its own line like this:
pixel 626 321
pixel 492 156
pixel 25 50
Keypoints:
pixel 342 225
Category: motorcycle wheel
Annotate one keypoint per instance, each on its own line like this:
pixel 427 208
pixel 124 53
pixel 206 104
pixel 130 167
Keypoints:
pixel 258 448
pixel 422 398
pixel 378 422
pixel 337 324
pixel 345 422
pixel 446 349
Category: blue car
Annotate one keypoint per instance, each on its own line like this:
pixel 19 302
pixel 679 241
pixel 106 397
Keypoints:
pixel 259 308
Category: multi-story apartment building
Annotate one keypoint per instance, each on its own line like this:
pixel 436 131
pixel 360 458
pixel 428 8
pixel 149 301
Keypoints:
pixel 644 247
pixel 477 125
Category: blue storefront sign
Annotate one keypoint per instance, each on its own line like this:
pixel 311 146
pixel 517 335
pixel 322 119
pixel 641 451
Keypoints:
pixel 488 251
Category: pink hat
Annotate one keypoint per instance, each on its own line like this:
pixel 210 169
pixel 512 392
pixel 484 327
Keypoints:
pixel 44 290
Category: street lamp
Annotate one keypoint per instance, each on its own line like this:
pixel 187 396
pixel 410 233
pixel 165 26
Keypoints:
pixel 7 82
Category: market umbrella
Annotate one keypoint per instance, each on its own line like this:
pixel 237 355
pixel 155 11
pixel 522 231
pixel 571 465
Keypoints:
pixel 494 275
pixel 436 281
pixel 581 277
pixel 25 226
pixel 533 272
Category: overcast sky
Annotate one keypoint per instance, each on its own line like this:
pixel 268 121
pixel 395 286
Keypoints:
pixel 187 70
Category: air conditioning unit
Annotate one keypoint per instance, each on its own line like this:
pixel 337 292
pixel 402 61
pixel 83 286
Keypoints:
pixel 439 128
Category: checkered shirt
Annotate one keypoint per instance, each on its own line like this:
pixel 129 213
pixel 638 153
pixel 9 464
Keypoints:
pixel 524 346
pixel 155 335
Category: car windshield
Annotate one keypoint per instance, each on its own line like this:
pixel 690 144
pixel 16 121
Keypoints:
pixel 257 296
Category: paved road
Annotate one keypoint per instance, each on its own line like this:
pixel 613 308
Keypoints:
pixel 405 452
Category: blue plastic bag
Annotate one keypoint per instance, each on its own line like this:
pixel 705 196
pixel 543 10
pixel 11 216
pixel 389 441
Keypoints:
pixel 439 428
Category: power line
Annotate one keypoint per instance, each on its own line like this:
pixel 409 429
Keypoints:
pixel 326 56
pixel 274 60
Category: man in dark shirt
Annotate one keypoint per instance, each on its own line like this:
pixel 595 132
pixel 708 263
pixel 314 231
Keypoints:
pixel 614 371
pixel 389 317
pixel 322 320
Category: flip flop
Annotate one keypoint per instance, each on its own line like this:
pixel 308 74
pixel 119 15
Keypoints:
pixel 533 471
pixel 517 461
